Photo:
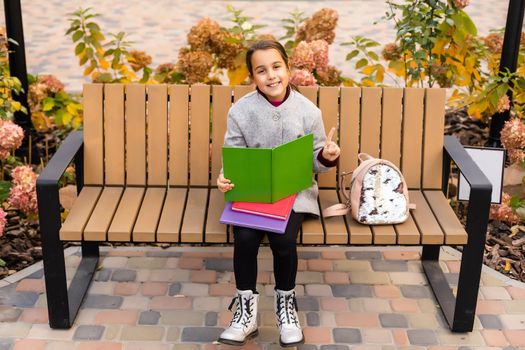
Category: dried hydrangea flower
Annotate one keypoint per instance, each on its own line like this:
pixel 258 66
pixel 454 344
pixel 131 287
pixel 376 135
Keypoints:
pixel 302 77
pixel 302 57
pixel 328 76
pixel 11 136
pixel 202 35
pixel 226 50
pixel 503 104
pixel 439 73
pixel 461 4
pixel 195 65
pixel 320 52
pixel 139 59
pixel 503 211
pixel 391 52
pixel 165 68
pixel 494 42
pixel 23 193
pixel 266 37
pixel 3 221
pixel 319 27
pixel 513 139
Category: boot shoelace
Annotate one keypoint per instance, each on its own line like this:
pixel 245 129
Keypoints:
pixel 237 317
pixel 287 310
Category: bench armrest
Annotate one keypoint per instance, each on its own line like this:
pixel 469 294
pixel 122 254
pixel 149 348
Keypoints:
pixel 470 170
pixel 47 184
pixel 68 151
pixel 480 189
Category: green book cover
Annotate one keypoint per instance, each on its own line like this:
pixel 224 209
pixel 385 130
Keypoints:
pixel 266 175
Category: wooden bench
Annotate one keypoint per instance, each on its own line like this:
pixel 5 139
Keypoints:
pixel 148 157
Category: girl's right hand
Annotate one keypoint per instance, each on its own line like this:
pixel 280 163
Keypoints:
pixel 224 184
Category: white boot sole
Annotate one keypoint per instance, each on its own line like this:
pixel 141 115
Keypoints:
pixel 239 343
pixel 289 345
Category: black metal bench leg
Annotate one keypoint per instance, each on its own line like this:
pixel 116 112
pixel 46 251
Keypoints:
pixel 460 311
pixel 62 305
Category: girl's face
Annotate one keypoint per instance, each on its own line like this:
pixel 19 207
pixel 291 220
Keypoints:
pixel 270 73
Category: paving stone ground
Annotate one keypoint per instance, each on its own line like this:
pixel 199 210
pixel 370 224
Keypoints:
pixel 177 298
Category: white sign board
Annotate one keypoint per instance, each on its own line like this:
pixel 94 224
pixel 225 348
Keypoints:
pixel 491 161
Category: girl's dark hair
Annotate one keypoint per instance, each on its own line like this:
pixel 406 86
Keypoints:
pixel 267 45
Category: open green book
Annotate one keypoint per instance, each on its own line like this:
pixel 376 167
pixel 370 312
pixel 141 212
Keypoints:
pixel 267 175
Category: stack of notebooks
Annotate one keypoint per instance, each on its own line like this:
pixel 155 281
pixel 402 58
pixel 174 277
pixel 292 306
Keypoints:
pixel 266 183
pixel 262 216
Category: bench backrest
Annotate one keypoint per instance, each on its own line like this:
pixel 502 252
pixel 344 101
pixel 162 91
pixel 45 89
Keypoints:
pixel 171 135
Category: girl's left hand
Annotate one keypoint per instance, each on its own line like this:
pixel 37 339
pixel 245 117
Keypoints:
pixel 331 150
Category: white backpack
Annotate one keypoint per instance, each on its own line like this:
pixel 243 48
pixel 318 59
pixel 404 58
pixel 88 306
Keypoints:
pixel 378 193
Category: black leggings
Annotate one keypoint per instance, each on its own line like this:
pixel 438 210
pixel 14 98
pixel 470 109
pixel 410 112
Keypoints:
pixel 284 249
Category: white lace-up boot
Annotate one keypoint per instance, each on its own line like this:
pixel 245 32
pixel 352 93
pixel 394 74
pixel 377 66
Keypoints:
pixel 287 318
pixel 243 326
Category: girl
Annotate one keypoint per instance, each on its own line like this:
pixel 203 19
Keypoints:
pixel 274 114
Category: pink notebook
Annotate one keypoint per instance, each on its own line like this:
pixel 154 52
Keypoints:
pixel 279 210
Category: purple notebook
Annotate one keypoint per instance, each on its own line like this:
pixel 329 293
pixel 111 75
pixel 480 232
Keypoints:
pixel 259 222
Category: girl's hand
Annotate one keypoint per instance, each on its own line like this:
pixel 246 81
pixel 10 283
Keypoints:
pixel 331 150
pixel 224 184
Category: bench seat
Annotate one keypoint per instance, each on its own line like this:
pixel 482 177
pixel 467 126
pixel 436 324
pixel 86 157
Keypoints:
pixel 179 215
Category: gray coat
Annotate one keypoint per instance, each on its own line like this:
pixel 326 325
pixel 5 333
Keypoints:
pixel 255 122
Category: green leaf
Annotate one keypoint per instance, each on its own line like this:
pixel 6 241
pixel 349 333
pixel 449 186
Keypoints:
pixel 77 35
pixel 93 26
pixel 361 63
pixel 469 26
pixel 49 103
pixel 373 55
pixel 79 48
pixel 2 263
pixel 514 202
pixel 5 187
pixel 352 54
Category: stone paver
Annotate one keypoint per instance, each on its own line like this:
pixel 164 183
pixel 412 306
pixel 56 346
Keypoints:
pixel 130 312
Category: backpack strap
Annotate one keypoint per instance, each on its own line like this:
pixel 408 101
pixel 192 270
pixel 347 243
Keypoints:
pixel 340 208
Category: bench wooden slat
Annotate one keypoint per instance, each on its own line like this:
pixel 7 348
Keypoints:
pixel 193 223
pixel 359 234
pixel 98 224
pixel 114 133
pixel 310 92
pixel 329 106
pixel 157 134
pixel 200 135
pixel 407 232
pixel 136 134
pixel 391 125
pixel 215 231
pixel 178 138
pixel 384 234
pixel 148 218
pixel 241 90
pixel 429 229
pixel 79 214
pixel 449 222
pixel 312 231
pixel 93 134
pixel 349 128
pixel 335 228
pixel 412 137
pixel 222 97
pixel 433 146
pixel 124 219
pixel 171 217
pixel 370 120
